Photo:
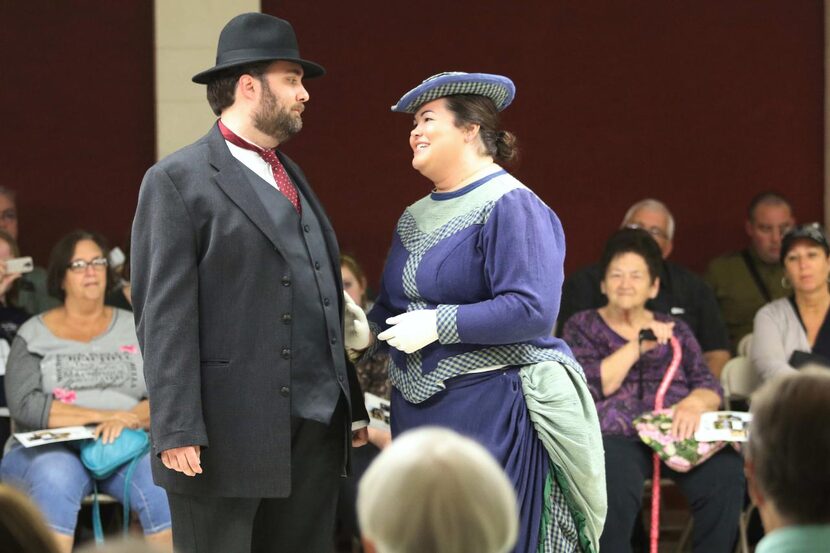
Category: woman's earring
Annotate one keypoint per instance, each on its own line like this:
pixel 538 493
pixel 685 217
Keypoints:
pixel 785 283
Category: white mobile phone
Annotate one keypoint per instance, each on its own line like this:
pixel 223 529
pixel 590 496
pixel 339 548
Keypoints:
pixel 117 257
pixel 19 265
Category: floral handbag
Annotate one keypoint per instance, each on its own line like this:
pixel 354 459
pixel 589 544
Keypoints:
pixel 654 428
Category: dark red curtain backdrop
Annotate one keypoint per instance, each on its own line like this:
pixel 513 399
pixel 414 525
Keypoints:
pixel 78 116
pixel 701 104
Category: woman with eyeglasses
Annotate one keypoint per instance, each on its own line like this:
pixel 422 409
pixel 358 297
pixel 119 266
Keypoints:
pixel 79 364
pixel 623 374
pixel 792 332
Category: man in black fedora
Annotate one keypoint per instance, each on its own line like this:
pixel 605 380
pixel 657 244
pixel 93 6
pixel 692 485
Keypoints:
pixel 239 309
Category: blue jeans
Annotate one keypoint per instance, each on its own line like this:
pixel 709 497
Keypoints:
pixel 56 480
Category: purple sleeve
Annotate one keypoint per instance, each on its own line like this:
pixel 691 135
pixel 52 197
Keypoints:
pixel 524 249
pixel 587 349
pixel 697 371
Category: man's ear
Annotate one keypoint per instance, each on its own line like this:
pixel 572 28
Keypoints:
pixel 247 87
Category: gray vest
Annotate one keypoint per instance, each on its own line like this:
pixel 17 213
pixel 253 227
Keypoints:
pixel 316 350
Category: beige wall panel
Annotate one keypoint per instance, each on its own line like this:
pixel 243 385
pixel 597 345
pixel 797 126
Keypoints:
pixel 186 35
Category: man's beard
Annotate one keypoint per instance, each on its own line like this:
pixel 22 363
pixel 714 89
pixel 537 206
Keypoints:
pixel 273 119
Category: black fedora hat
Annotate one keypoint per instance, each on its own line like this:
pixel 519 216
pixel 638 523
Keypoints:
pixel 253 37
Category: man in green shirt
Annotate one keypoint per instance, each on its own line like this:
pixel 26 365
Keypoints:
pixel 744 281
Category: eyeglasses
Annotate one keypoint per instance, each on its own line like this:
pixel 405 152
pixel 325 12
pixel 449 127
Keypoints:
pixel 654 231
pixel 80 265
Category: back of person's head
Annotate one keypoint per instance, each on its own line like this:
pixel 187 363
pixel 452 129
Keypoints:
pixel 788 453
pixel 636 241
pixel 434 490
pixel 22 528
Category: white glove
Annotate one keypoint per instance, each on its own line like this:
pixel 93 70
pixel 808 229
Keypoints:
pixel 412 330
pixel 357 333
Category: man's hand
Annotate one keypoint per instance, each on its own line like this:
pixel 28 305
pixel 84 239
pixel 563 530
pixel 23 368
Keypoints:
pixel 411 331
pixel 6 279
pixel 357 333
pixel 185 459
pixel 360 437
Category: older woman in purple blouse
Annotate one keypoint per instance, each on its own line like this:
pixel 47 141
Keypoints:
pixel 623 376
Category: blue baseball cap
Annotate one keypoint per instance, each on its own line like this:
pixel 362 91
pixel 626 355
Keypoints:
pixel 498 88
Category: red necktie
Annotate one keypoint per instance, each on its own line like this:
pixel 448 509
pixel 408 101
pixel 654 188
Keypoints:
pixel 281 177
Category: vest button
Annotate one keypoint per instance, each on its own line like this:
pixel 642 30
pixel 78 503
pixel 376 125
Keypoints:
pixel 286 353
pixel 333 340
pixel 284 391
pixel 326 301
pixel 306 228
pixel 317 265
pixel 286 281
pixel 286 318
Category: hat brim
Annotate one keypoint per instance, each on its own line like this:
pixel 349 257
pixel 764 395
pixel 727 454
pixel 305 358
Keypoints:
pixel 498 88
pixel 311 70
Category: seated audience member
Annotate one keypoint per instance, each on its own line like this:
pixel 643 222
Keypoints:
pixel 22 529
pixel 435 490
pixel 11 317
pixel 33 295
pixel 623 375
pixel 682 293
pixel 794 331
pixel 374 378
pixel 79 364
pixel 786 462
pixel 744 281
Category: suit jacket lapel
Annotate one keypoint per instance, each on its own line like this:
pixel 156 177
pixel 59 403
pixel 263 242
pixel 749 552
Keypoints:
pixel 232 180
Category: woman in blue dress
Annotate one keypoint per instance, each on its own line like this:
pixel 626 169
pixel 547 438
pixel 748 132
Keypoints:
pixel 468 299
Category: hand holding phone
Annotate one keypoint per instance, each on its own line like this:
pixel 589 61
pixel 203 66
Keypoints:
pixel 19 265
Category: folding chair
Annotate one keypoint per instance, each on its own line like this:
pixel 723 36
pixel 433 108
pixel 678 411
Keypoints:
pixel 738 379
pixel 744 345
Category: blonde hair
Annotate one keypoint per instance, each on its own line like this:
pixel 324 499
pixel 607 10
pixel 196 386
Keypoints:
pixel 435 490
pixel 22 527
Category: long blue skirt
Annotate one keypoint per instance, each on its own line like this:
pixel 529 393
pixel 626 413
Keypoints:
pixel 490 408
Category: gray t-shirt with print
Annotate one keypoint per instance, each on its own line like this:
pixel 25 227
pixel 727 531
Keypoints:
pixel 105 373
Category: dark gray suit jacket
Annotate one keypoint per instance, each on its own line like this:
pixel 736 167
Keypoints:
pixel 210 292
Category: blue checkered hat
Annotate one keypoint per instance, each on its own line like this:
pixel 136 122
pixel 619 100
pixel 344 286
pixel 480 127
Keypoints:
pixel 496 87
